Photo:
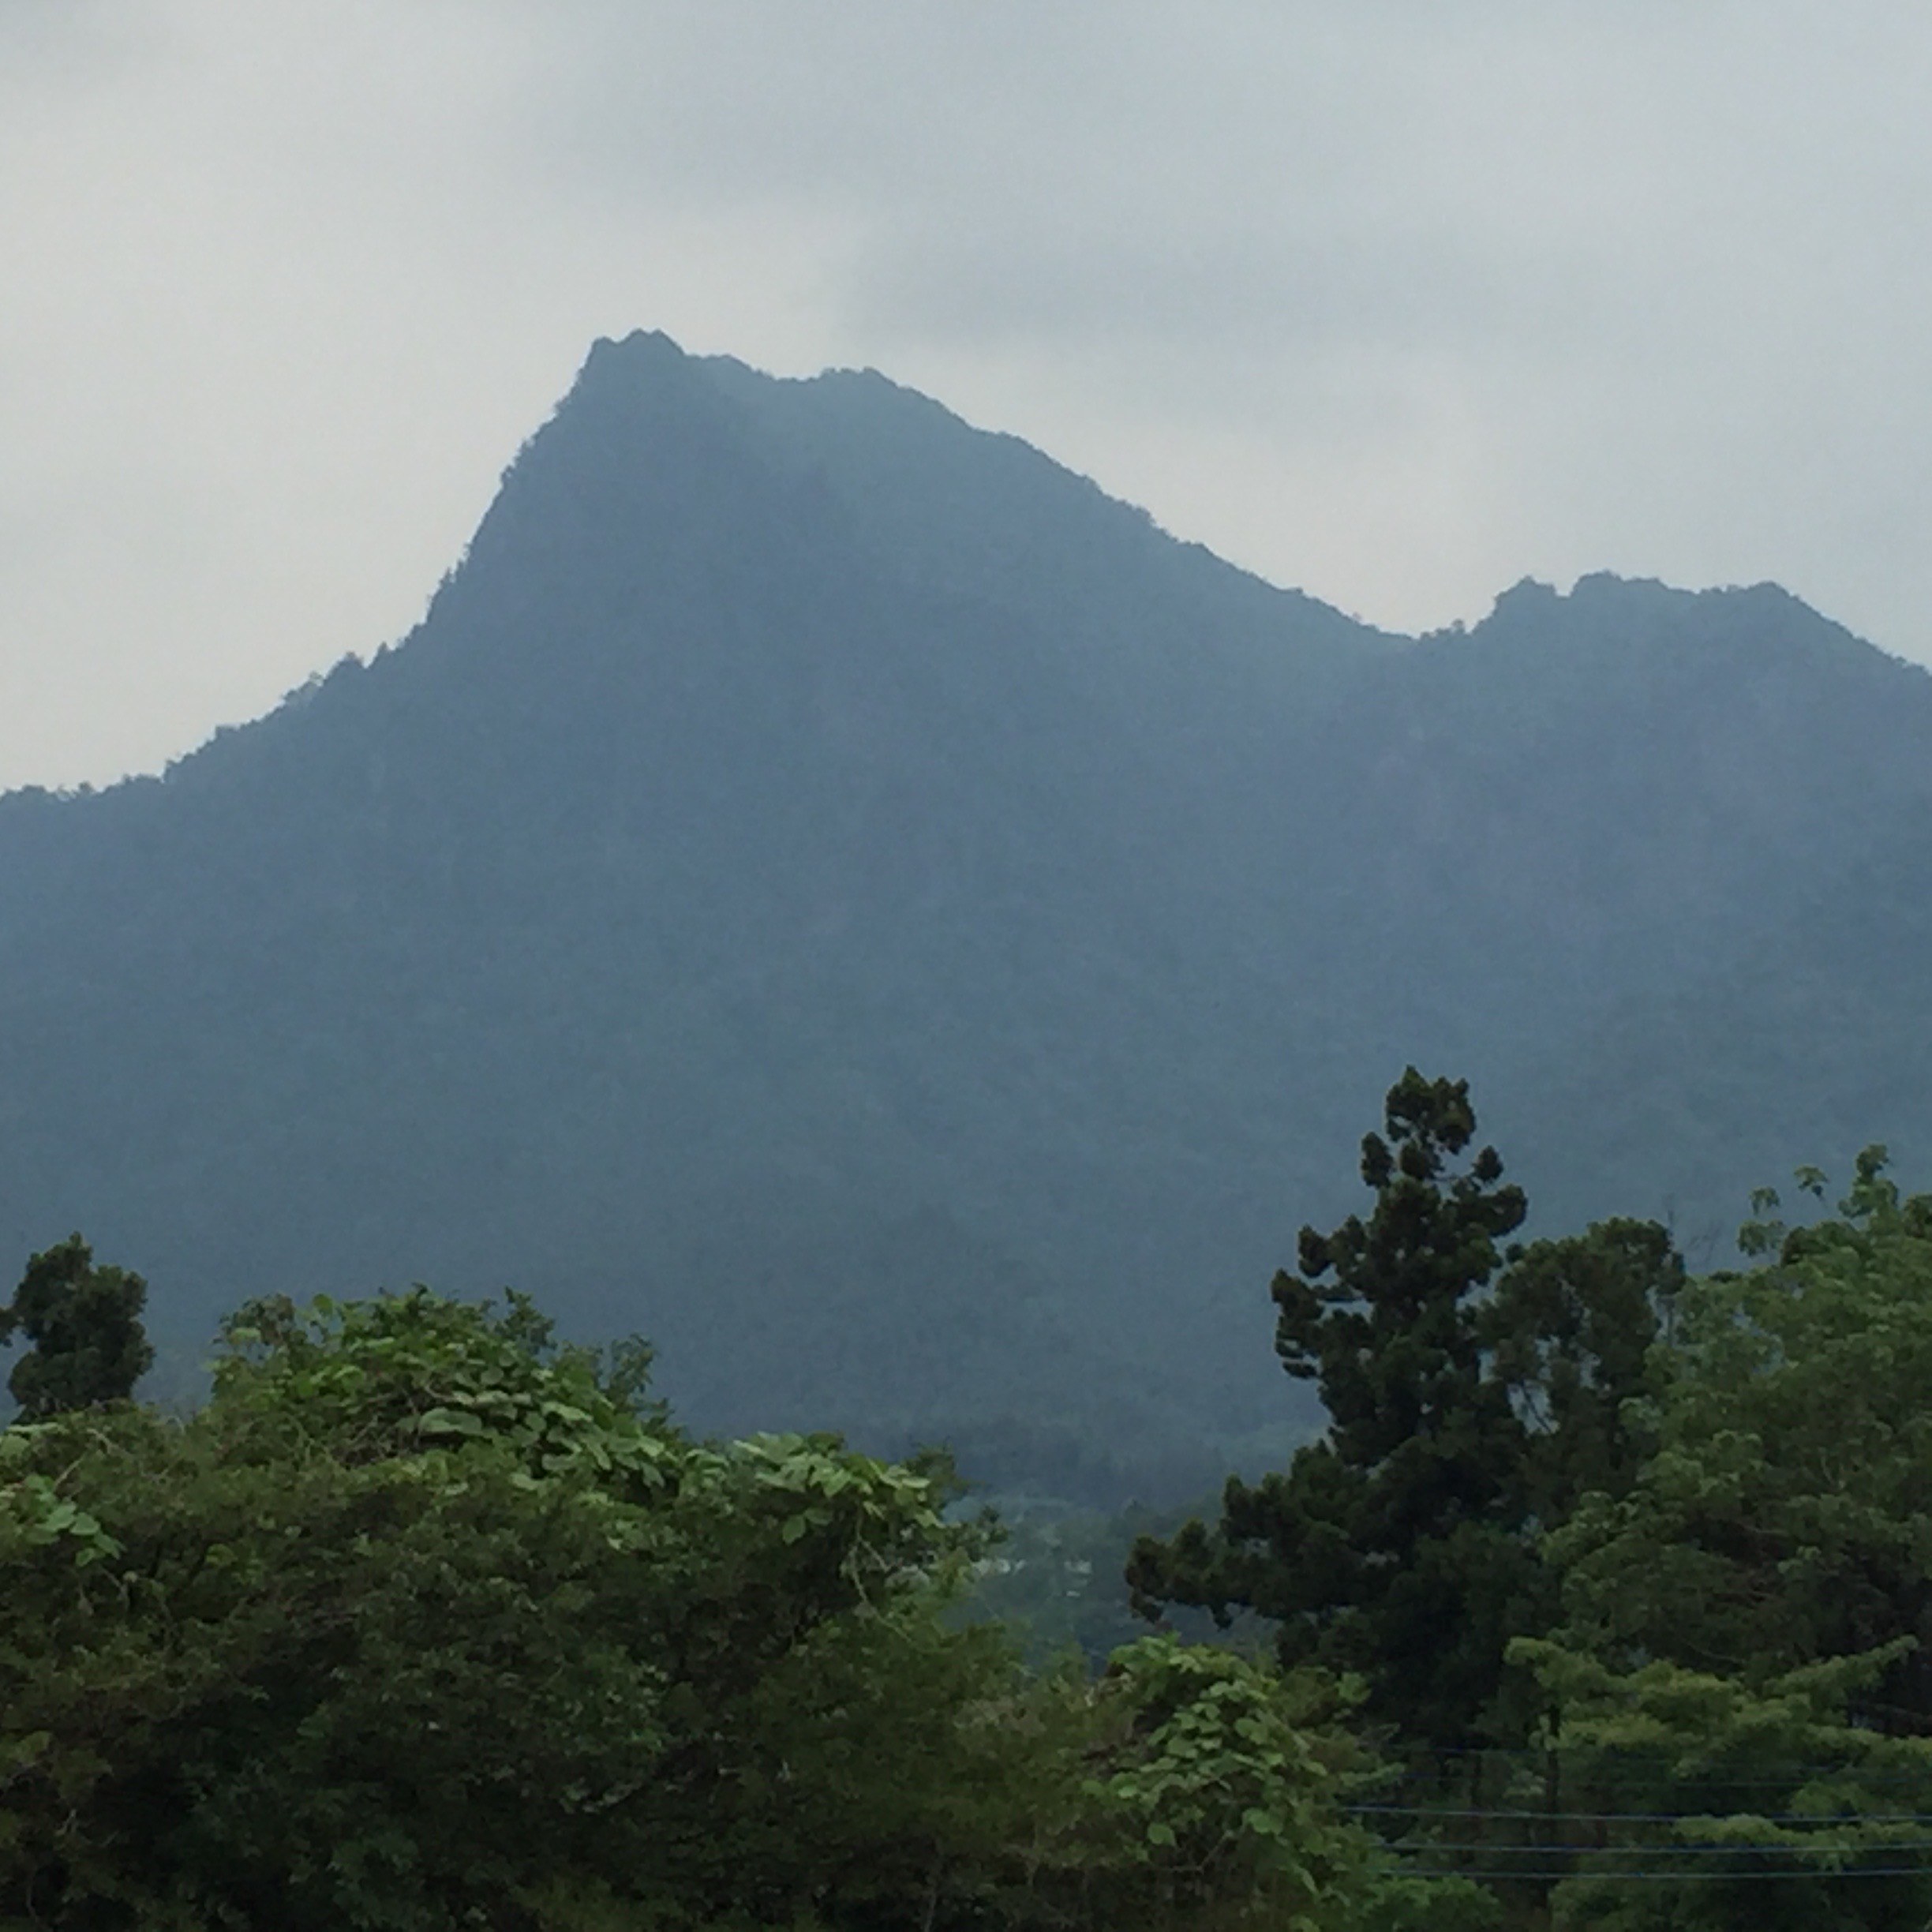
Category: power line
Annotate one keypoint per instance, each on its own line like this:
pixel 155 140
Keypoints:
pixel 1657 1878
pixel 1627 1817
pixel 1712 1848
pixel 1542 1754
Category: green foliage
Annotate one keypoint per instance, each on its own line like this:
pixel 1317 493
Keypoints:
pixel 1741 1689
pixel 1195 1788
pixel 421 1611
pixel 83 1323
pixel 1390 1339
pixel 1720 1804
pixel 1709 1579
pixel 1374 1547
pixel 1569 1333
pixel 1211 1779
pixel 424 1621
pixel 1781 1519
pixel 1403 1546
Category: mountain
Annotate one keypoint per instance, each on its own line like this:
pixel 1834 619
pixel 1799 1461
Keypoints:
pixel 828 888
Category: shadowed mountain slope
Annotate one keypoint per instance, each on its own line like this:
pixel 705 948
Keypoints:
pixel 828 888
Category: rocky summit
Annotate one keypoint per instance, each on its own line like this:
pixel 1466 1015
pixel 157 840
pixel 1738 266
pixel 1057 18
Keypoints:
pixel 829 888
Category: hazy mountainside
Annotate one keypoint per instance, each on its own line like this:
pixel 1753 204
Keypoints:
pixel 828 888
pixel 1812 1041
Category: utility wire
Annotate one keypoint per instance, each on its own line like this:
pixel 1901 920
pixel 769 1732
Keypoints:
pixel 1656 1878
pixel 1614 1754
pixel 1713 1848
pixel 1629 1817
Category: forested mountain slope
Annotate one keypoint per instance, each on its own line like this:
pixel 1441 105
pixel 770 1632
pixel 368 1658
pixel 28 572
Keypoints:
pixel 829 888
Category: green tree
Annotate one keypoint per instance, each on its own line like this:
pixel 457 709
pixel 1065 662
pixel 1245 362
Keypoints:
pixel 422 1616
pixel 1569 1333
pixel 1211 1789
pixel 1739 1687
pixel 1781 1519
pixel 83 1323
pixel 1699 1802
pixel 1379 1548
pixel 424 1621
pixel 1402 1544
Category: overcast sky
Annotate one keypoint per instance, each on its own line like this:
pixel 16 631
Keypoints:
pixel 1398 300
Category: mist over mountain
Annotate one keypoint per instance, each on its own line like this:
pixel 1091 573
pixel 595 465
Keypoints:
pixel 829 888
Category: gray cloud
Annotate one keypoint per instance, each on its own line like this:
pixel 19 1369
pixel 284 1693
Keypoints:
pixel 1395 300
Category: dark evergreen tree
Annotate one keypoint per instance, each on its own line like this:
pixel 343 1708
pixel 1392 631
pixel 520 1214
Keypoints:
pixel 83 1323
pixel 1402 1545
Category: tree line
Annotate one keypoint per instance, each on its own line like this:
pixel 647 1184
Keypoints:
pixel 1635 1569
pixel 1602 1601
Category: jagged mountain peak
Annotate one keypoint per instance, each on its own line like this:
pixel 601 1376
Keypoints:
pixel 832 889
